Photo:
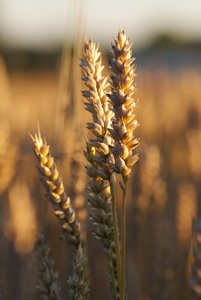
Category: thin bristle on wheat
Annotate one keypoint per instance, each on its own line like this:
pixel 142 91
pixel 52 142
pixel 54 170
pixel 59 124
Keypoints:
pixel 55 192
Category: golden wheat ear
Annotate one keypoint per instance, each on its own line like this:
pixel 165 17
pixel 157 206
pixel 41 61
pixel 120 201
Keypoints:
pixel 55 192
pixel 122 131
pixel 121 98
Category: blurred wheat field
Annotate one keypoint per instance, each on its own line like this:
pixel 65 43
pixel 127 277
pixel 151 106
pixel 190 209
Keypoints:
pixel 164 193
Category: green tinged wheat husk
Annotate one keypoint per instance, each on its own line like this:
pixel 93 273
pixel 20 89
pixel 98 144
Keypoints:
pixel 77 284
pixel 47 278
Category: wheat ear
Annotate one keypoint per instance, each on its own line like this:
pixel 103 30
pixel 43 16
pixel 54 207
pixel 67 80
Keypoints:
pixel 98 154
pixel 97 105
pixel 123 126
pixel 122 90
pixel 55 192
pixel 77 284
pixel 48 284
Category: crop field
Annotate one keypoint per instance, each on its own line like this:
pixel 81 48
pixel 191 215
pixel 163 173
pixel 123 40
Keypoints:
pixel 163 194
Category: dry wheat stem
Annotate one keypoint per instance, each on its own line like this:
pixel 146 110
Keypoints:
pixel 116 232
pixel 55 192
pixel 123 233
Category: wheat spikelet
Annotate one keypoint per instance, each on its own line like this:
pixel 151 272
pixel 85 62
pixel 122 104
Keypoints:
pixel 48 284
pixel 77 284
pixel 122 90
pixel 55 192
